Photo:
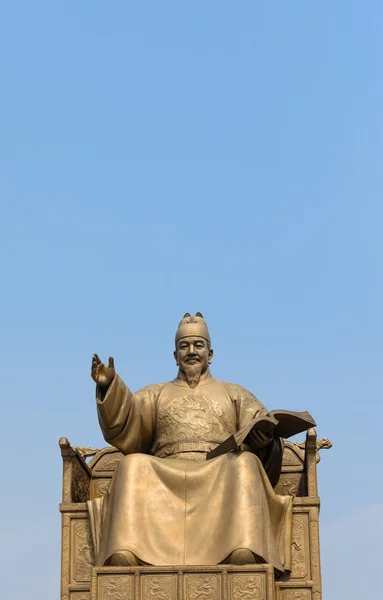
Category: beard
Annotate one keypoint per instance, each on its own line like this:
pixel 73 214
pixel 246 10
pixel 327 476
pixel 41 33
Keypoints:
pixel 193 375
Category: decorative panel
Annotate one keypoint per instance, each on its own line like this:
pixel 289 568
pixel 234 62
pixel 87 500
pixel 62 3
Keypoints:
pixel 213 582
pixel 288 484
pixel 99 487
pixel 81 551
pixel 158 587
pixel 115 587
pixel 202 586
pixel 300 547
pixel 243 586
pixel 296 594
pixel 107 462
pixel 290 459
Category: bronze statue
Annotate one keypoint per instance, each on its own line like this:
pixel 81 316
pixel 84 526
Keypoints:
pixel 167 504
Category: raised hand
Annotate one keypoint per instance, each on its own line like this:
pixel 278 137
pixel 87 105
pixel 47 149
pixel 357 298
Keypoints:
pixel 102 374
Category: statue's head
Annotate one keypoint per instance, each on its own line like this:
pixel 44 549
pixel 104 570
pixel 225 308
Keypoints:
pixel 193 351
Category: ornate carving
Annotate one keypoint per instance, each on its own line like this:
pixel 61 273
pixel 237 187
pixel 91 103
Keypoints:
pixel 290 458
pixel 101 487
pixel 323 444
pixel 288 484
pixel 67 479
pixel 312 479
pixel 299 559
pixel 76 476
pixel 80 483
pixel 80 596
pixel 195 583
pixel 82 550
pixel 65 557
pixel 117 587
pixel 108 462
pixel 202 587
pixel 191 419
pixel 86 451
pixel 296 594
pixel 315 559
pixel 159 587
pixel 247 587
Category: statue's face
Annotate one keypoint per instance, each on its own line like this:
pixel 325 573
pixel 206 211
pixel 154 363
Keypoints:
pixel 192 352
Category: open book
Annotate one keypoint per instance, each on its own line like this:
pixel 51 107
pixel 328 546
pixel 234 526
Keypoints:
pixel 284 423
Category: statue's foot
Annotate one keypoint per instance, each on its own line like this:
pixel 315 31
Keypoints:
pixel 242 556
pixel 124 558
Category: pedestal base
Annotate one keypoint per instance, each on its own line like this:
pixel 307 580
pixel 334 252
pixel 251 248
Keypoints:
pixel 220 582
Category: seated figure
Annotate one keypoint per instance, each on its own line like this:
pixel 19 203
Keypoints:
pixel 167 504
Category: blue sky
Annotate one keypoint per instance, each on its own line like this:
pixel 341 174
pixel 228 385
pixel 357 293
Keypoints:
pixel 164 157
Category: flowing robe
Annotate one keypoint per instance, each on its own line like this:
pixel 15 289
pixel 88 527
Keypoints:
pixel 166 503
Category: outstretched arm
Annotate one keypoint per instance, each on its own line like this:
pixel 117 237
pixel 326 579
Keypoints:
pixel 126 419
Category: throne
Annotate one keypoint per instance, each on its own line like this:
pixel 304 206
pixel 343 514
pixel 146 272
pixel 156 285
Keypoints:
pixel 87 474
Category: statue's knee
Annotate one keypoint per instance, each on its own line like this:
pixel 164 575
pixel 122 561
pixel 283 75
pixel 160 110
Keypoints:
pixel 124 558
pixel 242 556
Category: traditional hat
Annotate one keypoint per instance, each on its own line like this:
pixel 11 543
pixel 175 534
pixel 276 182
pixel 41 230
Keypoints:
pixel 192 326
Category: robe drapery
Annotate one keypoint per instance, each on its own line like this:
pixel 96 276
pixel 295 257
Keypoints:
pixel 166 503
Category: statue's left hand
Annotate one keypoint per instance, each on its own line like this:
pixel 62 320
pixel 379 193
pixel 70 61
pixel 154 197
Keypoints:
pixel 258 439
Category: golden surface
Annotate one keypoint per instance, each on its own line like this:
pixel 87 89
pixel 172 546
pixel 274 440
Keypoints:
pixel 169 506
pixel 253 582
pixel 204 511
pixel 83 480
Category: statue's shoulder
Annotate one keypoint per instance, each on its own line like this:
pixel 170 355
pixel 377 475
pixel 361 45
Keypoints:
pixel 240 394
pixel 152 390
pixel 235 389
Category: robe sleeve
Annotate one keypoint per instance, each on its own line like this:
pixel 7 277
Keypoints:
pixel 247 408
pixel 127 420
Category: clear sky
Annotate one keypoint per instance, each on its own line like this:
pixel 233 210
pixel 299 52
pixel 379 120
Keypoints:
pixel 164 157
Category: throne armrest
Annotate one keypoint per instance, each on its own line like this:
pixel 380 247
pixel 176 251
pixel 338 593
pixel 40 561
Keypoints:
pixel 311 462
pixel 76 474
